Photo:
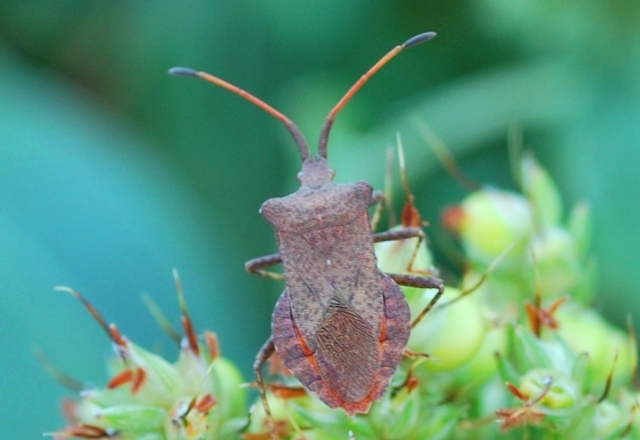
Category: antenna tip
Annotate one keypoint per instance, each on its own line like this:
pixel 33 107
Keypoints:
pixel 420 38
pixel 182 71
pixel 66 289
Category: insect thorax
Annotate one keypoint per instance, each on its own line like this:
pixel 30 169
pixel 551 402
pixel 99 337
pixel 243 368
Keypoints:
pixel 327 250
pixel 314 208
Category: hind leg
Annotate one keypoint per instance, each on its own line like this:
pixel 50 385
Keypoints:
pixel 261 358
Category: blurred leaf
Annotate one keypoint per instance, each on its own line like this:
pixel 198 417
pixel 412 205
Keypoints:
pixel 85 202
pixel 466 113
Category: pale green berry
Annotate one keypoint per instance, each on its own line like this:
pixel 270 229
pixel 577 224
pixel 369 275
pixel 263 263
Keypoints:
pixel 610 421
pixel 450 335
pixel 587 332
pixel 396 256
pixel 482 366
pixel 556 262
pixel 490 222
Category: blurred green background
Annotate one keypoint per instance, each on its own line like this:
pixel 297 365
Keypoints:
pixel 112 172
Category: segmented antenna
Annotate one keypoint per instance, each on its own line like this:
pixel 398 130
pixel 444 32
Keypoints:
pixel 303 147
pixel 324 134
pixel 293 129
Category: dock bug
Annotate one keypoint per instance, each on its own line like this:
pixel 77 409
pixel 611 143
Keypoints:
pixel 341 325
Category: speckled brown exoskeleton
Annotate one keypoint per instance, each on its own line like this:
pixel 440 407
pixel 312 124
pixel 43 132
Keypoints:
pixel 341 325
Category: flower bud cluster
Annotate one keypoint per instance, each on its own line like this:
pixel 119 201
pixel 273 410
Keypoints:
pixel 198 397
pixel 512 350
pixel 515 350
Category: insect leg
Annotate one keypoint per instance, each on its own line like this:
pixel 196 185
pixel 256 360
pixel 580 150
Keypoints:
pixel 423 283
pixel 256 266
pixel 261 358
pixel 398 234
pixel 404 234
pixel 379 200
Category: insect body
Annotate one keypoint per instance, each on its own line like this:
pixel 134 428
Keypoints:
pixel 341 325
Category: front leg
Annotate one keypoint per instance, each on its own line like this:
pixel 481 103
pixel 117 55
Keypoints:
pixel 264 354
pixel 399 234
pixel 378 200
pixel 405 233
pixel 256 266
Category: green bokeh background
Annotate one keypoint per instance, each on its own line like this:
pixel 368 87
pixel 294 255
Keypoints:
pixel 113 172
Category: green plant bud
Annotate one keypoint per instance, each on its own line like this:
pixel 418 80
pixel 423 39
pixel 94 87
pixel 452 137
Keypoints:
pixel 259 416
pixel 526 350
pixel 488 398
pixel 585 290
pixel 529 352
pixel 538 186
pixel 161 382
pixel 322 422
pixel 506 369
pixel 191 368
pixel 289 412
pixel 490 222
pixel 580 227
pixel 627 360
pixel 309 409
pixel 586 331
pixel 107 397
pixel 330 433
pixel 397 417
pixel 627 401
pixel 451 335
pixel 150 436
pixel 482 366
pixel 501 293
pixel 196 398
pixel 562 392
pixel 86 408
pixel 440 422
pixel 187 422
pixel 580 372
pixel 227 387
pixel 133 418
pixel 610 421
pixel 556 261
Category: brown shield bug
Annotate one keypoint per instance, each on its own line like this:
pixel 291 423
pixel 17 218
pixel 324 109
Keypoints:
pixel 341 325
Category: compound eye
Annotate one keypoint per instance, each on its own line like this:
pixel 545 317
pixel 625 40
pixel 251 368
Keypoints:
pixel 299 176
